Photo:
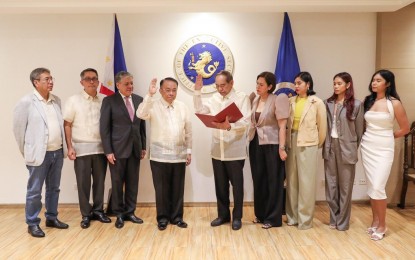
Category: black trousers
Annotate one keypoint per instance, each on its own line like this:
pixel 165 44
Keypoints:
pixel 268 180
pixel 168 180
pixel 225 172
pixel 124 173
pixel 94 165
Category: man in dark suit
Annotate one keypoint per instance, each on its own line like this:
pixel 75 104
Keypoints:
pixel 124 139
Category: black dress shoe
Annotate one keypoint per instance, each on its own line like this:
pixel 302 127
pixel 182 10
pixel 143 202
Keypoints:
pixel 55 223
pixel 181 224
pixel 85 223
pixel 35 231
pixel 236 224
pixel 101 217
pixel 119 223
pixel 219 221
pixel 133 218
pixel 162 225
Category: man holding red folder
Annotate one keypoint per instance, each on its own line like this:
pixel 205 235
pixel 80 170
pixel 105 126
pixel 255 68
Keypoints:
pixel 228 148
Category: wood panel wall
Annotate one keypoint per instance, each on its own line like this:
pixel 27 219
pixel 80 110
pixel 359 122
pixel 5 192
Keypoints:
pixel 396 51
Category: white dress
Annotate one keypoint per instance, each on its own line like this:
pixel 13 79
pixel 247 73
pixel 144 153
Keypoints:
pixel 377 148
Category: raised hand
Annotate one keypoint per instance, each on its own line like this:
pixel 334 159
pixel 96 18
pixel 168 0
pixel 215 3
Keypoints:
pixel 152 89
pixel 199 82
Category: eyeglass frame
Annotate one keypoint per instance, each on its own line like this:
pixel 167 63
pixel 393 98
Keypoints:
pixel 47 79
pixel 95 79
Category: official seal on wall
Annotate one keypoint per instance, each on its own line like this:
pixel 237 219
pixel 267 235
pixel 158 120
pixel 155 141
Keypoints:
pixel 205 55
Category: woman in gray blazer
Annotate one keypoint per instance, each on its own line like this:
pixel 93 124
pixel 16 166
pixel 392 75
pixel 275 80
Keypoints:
pixel 345 129
pixel 267 150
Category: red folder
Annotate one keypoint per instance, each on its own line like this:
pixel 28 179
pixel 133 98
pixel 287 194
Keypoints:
pixel 232 112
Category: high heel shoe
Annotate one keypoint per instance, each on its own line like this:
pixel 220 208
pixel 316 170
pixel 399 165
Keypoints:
pixel 371 230
pixel 376 236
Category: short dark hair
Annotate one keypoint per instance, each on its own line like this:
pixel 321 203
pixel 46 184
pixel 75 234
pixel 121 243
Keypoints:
pixel 306 77
pixel 227 75
pixel 122 74
pixel 169 79
pixel 269 79
pixel 88 70
pixel 35 74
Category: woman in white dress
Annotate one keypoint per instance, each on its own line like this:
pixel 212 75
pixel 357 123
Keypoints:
pixel 381 107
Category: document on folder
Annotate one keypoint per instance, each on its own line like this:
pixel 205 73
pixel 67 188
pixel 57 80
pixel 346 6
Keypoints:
pixel 232 112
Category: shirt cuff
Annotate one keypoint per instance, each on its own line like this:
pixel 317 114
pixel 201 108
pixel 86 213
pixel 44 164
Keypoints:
pixel 148 98
pixel 189 151
pixel 197 92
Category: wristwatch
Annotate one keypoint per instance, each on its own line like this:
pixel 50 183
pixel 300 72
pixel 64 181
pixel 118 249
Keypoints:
pixel 229 128
pixel 282 148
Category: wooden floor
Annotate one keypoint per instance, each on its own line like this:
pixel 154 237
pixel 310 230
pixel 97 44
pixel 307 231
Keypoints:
pixel 200 241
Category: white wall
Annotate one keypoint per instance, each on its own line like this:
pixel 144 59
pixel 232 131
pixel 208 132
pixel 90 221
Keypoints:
pixel 66 44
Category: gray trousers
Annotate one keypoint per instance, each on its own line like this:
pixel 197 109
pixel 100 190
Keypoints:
pixel 339 186
pixel 301 165
pixel 88 166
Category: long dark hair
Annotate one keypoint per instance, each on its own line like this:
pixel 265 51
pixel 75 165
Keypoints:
pixel 348 96
pixel 389 77
pixel 306 77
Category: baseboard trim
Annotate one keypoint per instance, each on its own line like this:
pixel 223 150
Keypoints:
pixel 201 204
pixel 190 204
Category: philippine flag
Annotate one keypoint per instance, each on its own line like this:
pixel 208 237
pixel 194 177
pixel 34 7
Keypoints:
pixel 287 61
pixel 114 61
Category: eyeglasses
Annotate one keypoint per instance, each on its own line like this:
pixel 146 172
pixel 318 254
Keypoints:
pixel 221 86
pixel 90 79
pixel 47 79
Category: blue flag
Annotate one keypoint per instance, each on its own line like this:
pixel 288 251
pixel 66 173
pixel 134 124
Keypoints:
pixel 287 66
pixel 119 60
pixel 115 61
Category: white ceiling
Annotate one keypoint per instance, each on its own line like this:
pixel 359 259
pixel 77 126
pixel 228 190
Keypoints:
pixel 162 6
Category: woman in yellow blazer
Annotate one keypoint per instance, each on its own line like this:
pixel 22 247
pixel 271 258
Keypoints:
pixel 307 126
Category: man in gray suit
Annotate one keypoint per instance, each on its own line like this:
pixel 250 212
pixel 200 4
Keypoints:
pixel 123 137
pixel 38 129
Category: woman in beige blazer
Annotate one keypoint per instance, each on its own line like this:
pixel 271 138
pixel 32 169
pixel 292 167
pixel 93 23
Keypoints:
pixel 345 123
pixel 267 150
pixel 307 126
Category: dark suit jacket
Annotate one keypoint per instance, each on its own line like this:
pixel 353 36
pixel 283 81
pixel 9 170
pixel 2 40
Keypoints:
pixel 119 135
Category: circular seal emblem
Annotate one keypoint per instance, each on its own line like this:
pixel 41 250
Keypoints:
pixel 205 55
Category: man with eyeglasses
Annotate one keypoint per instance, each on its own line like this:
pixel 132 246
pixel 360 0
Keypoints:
pixel 228 150
pixel 81 120
pixel 170 149
pixel 38 129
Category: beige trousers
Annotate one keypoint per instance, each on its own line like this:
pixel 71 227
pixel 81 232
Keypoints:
pixel 301 167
